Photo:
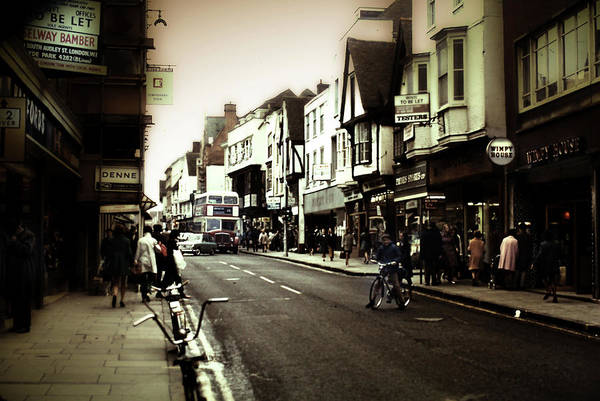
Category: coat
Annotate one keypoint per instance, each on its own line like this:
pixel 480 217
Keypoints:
pixel 365 241
pixel 119 258
pixel 348 242
pixel 20 265
pixel 509 251
pixel 547 260
pixel 145 255
pixel 431 244
pixel 476 247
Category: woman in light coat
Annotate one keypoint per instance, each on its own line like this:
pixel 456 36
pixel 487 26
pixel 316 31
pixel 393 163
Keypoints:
pixel 476 249
pixel 145 260
pixel 509 251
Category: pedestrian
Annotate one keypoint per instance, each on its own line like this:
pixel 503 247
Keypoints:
pixel 160 253
pixel 331 242
pixel 509 251
pixel 263 238
pixel 145 259
pixel 172 275
pixel 404 245
pixel 322 240
pixel 525 257
pixel 20 269
pixel 431 250
pixel 449 254
pixel 105 251
pixel 120 260
pixel 476 250
pixel 365 245
pixel 348 242
pixel 547 262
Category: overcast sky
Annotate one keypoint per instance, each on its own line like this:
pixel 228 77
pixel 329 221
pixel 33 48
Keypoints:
pixel 239 51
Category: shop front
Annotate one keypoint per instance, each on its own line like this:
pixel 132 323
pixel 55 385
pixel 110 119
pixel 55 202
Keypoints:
pixel 325 209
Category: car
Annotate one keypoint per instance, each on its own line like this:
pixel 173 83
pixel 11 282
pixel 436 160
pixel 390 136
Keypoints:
pixel 197 243
pixel 226 240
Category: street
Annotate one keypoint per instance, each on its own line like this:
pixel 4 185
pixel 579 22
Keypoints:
pixel 291 332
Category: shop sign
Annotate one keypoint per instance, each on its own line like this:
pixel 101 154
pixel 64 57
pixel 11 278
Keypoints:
pixel 159 85
pixel 64 36
pixel 412 178
pixel 412 108
pixel 412 204
pixel 118 178
pixel 554 151
pixel 372 185
pixel 433 203
pixel 408 132
pixel 322 172
pixel 12 129
pixel 273 203
pixel 501 151
pixel 326 199
pixel 350 196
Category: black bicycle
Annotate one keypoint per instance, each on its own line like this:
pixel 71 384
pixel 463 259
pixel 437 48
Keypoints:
pixel 381 288
pixel 187 357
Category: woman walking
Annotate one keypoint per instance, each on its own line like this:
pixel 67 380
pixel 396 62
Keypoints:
pixel 119 260
pixel 145 259
pixel 331 239
pixel 365 245
pixel 476 249
pixel 450 253
pixel 547 263
pixel 348 243
pixel 322 241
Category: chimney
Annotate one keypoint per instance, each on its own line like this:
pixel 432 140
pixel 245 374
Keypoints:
pixel 196 147
pixel 321 86
pixel 231 118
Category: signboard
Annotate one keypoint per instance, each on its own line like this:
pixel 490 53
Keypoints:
pixel 12 129
pixel 412 177
pixel 412 108
pixel 64 36
pixel 219 210
pixel 159 85
pixel 118 178
pixel 501 151
pixel 273 203
pixel 322 172
pixel 554 151
pixel 409 132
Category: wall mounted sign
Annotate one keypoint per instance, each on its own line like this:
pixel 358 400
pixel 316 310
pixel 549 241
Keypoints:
pixel 322 172
pixel 501 151
pixel 118 178
pixel 159 85
pixel 411 108
pixel 412 177
pixel 554 151
pixel 12 129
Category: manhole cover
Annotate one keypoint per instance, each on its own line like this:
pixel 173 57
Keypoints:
pixel 429 319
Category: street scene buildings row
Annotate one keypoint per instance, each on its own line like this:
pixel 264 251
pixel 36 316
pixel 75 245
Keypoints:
pixel 350 160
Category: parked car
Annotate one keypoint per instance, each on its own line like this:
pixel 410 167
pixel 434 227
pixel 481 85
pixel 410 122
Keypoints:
pixel 196 244
pixel 227 241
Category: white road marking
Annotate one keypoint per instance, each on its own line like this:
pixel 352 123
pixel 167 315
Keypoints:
pixel 267 280
pixel 290 289
pixel 223 263
pixel 232 279
pixel 249 272
pixel 235 267
pixel 216 368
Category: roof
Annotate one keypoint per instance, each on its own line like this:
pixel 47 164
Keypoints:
pixel 277 101
pixel 307 93
pixel 191 158
pixel 373 65
pixel 294 108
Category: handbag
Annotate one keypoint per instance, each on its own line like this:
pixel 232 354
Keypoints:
pixel 136 268
pixel 343 255
pixel 179 260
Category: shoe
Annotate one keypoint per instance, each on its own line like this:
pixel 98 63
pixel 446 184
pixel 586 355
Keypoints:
pixel 369 305
pixel 546 296
pixel 121 304
pixel 114 301
pixel 555 300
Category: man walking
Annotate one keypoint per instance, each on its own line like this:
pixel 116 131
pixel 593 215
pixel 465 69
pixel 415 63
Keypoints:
pixel 431 249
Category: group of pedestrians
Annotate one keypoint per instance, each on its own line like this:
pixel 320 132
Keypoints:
pixel 440 253
pixel 152 262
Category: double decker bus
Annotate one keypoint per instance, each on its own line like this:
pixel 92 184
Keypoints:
pixel 218 213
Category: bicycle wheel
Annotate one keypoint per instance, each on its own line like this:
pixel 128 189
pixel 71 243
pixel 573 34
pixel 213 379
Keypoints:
pixel 376 294
pixel 405 294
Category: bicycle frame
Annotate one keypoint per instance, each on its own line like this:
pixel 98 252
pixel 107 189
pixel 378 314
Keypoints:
pixel 402 294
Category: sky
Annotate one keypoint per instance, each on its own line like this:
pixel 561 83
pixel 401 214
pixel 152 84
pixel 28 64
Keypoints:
pixel 238 51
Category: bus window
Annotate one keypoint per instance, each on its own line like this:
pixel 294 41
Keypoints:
pixel 229 225
pixel 213 224
pixel 230 200
pixel 215 200
pixel 201 200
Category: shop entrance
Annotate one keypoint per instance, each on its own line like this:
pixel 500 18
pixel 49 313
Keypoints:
pixel 570 224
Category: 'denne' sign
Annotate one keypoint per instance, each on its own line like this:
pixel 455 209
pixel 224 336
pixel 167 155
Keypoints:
pixel 501 151
pixel 117 178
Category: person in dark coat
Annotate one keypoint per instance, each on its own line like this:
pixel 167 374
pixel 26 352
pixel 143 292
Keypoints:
pixel 172 275
pixel 525 256
pixel 322 241
pixel 161 260
pixel 20 269
pixel 120 260
pixel 365 245
pixel 404 245
pixel 431 249
pixel 547 262
pixel 331 242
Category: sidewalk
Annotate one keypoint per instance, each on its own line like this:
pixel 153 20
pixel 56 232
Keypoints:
pixel 80 348
pixel 574 312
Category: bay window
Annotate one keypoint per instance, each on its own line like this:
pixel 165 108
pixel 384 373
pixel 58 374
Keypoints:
pixel 362 143
pixel 451 70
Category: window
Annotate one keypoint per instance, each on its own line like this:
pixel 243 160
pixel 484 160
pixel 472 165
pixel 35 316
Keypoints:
pixel 215 200
pixel 314 121
pixel 451 70
pixel 398 142
pixel 430 13
pixel 557 59
pixel 422 78
pixel 314 161
pixel 362 143
pixel 269 177
pixel 270 145
pixel 307 130
pixel 307 168
pixel 342 150
pixel 230 200
pixel 321 118
pixel 334 153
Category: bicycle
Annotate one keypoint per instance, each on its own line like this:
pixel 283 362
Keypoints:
pixel 187 359
pixel 381 288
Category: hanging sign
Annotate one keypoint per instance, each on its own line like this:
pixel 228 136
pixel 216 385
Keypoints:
pixel 159 85
pixel 501 151
pixel 412 108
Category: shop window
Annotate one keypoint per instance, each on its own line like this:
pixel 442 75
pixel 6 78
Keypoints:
pixel 362 143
